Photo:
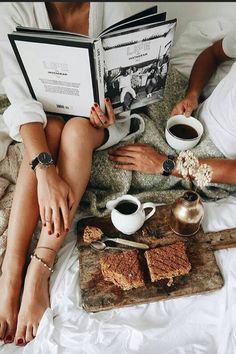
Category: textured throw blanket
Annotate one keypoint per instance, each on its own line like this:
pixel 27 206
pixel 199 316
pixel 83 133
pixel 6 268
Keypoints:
pixel 108 183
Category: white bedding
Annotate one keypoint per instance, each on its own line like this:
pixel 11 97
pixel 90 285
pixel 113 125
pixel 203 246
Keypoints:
pixel 200 324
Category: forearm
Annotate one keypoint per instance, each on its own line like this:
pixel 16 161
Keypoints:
pixel 202 71
pixel 34 138
pixel 203 68
pixel 224 171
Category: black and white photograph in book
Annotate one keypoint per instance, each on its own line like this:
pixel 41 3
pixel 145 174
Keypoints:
pixel 143 80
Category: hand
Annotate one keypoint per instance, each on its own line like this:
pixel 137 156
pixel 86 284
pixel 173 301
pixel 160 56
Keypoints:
pixel 186 106
pixel 55 200
pixel 99 119
pixel 138 157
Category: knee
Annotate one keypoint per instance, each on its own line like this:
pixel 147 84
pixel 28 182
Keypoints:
pixel 80 131
pixel 53 131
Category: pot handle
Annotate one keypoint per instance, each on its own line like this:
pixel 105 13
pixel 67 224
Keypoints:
pixel 149 205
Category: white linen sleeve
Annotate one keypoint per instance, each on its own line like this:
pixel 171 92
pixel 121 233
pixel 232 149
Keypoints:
pixel 229 44
pixel 23 109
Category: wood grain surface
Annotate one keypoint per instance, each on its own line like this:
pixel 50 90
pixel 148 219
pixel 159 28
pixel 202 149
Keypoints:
pixel 98 294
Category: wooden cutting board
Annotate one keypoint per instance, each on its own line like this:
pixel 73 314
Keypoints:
pixel 98 294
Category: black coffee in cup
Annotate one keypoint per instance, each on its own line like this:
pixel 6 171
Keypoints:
pixel 126 207
pixel 183 131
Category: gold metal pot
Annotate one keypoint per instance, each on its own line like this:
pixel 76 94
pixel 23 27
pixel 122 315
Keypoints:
pixel 186 214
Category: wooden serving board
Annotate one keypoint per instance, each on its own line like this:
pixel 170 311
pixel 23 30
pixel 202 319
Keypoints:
pixel 98 294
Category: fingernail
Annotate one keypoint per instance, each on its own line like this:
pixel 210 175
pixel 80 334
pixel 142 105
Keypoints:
pixel 49 232
pixel 95 105
pixel 107 99
pixel 93 109
pixel 67 229
pixel 20 341
pixel 9 338
pixel 44 224
pixel 58 235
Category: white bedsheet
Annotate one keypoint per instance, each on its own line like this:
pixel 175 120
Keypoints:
pixel 201 324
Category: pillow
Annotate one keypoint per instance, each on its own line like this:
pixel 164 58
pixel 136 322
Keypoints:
pixel 197 36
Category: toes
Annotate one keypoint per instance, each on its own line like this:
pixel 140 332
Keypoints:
pixel 9 334
pixel 29 334
pixel 20 335
pixel 35 329
pixel 3 327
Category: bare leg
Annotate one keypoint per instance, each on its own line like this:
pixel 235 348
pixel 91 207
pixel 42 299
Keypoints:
pixel 23 219
pixel 78 141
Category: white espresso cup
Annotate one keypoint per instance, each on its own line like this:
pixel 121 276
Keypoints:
pixel 183 133
pixel 128 214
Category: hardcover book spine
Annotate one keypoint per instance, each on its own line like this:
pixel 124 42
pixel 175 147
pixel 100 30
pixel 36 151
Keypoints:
pixel 99 62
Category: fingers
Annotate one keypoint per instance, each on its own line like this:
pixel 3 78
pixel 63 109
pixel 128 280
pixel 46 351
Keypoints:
pixel 186 106
pixel 130 148
pixel 122 159
pixel 110 111
pixel 98 118
pixel 56 221
pixel 129 167
pixel 48 220
pixel 65 217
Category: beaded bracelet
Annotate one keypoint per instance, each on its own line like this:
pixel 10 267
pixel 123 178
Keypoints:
pixel 34 255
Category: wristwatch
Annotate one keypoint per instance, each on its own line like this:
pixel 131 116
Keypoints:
pixel 168 165
pixel 44 159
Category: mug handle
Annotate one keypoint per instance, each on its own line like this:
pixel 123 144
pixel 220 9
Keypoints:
pixel 149 205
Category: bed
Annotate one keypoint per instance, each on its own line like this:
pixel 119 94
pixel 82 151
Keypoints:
pixel 191 325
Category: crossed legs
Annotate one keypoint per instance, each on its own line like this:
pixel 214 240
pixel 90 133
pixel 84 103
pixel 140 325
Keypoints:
pixel 74 144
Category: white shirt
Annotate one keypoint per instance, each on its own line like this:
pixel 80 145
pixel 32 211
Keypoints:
pixel 125 81
pixel 23 108
pixel 229 44
pixel 218 112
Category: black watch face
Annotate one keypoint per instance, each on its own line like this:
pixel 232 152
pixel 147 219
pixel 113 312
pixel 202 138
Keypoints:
pixel 44 158
pixel 168 165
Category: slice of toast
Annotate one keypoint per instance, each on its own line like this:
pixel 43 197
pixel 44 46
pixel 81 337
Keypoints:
pixel 167 262
pixel 122 269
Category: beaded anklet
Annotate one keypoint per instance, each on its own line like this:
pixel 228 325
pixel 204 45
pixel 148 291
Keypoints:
pixel 34 255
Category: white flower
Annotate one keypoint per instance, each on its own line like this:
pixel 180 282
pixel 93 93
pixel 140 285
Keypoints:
pixel 187 163
pixel 188 166
pixel 203 175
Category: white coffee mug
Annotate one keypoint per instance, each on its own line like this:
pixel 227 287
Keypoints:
pixel 178 143
pixel 128 214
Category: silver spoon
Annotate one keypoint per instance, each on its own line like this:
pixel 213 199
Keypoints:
pixel 101 245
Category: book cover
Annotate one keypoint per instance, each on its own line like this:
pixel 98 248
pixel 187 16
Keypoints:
pixel 68 72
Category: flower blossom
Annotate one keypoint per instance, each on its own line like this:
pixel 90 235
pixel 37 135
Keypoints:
pixel 187 163
pixel 203 175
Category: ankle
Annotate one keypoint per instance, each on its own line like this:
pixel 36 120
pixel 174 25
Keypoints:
pixel 47 255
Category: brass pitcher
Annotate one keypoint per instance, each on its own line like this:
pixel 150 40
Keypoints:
pixel 186 214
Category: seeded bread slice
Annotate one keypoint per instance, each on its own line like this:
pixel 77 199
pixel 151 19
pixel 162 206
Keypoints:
pixel 91 234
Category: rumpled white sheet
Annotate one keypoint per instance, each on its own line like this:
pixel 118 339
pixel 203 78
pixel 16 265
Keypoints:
pixel 200 324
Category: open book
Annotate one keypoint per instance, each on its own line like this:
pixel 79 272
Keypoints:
pixel 68 72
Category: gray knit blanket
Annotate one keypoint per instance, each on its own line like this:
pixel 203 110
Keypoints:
pixel 107 183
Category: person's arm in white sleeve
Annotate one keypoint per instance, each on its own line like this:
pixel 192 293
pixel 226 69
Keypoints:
pixel 23 109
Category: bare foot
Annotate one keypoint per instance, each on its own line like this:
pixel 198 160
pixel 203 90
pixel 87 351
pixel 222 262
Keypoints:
pixel 10 285
pixel 35 301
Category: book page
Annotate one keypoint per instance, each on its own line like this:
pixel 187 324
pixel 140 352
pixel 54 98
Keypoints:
pixel 60 76
pixel 136 65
